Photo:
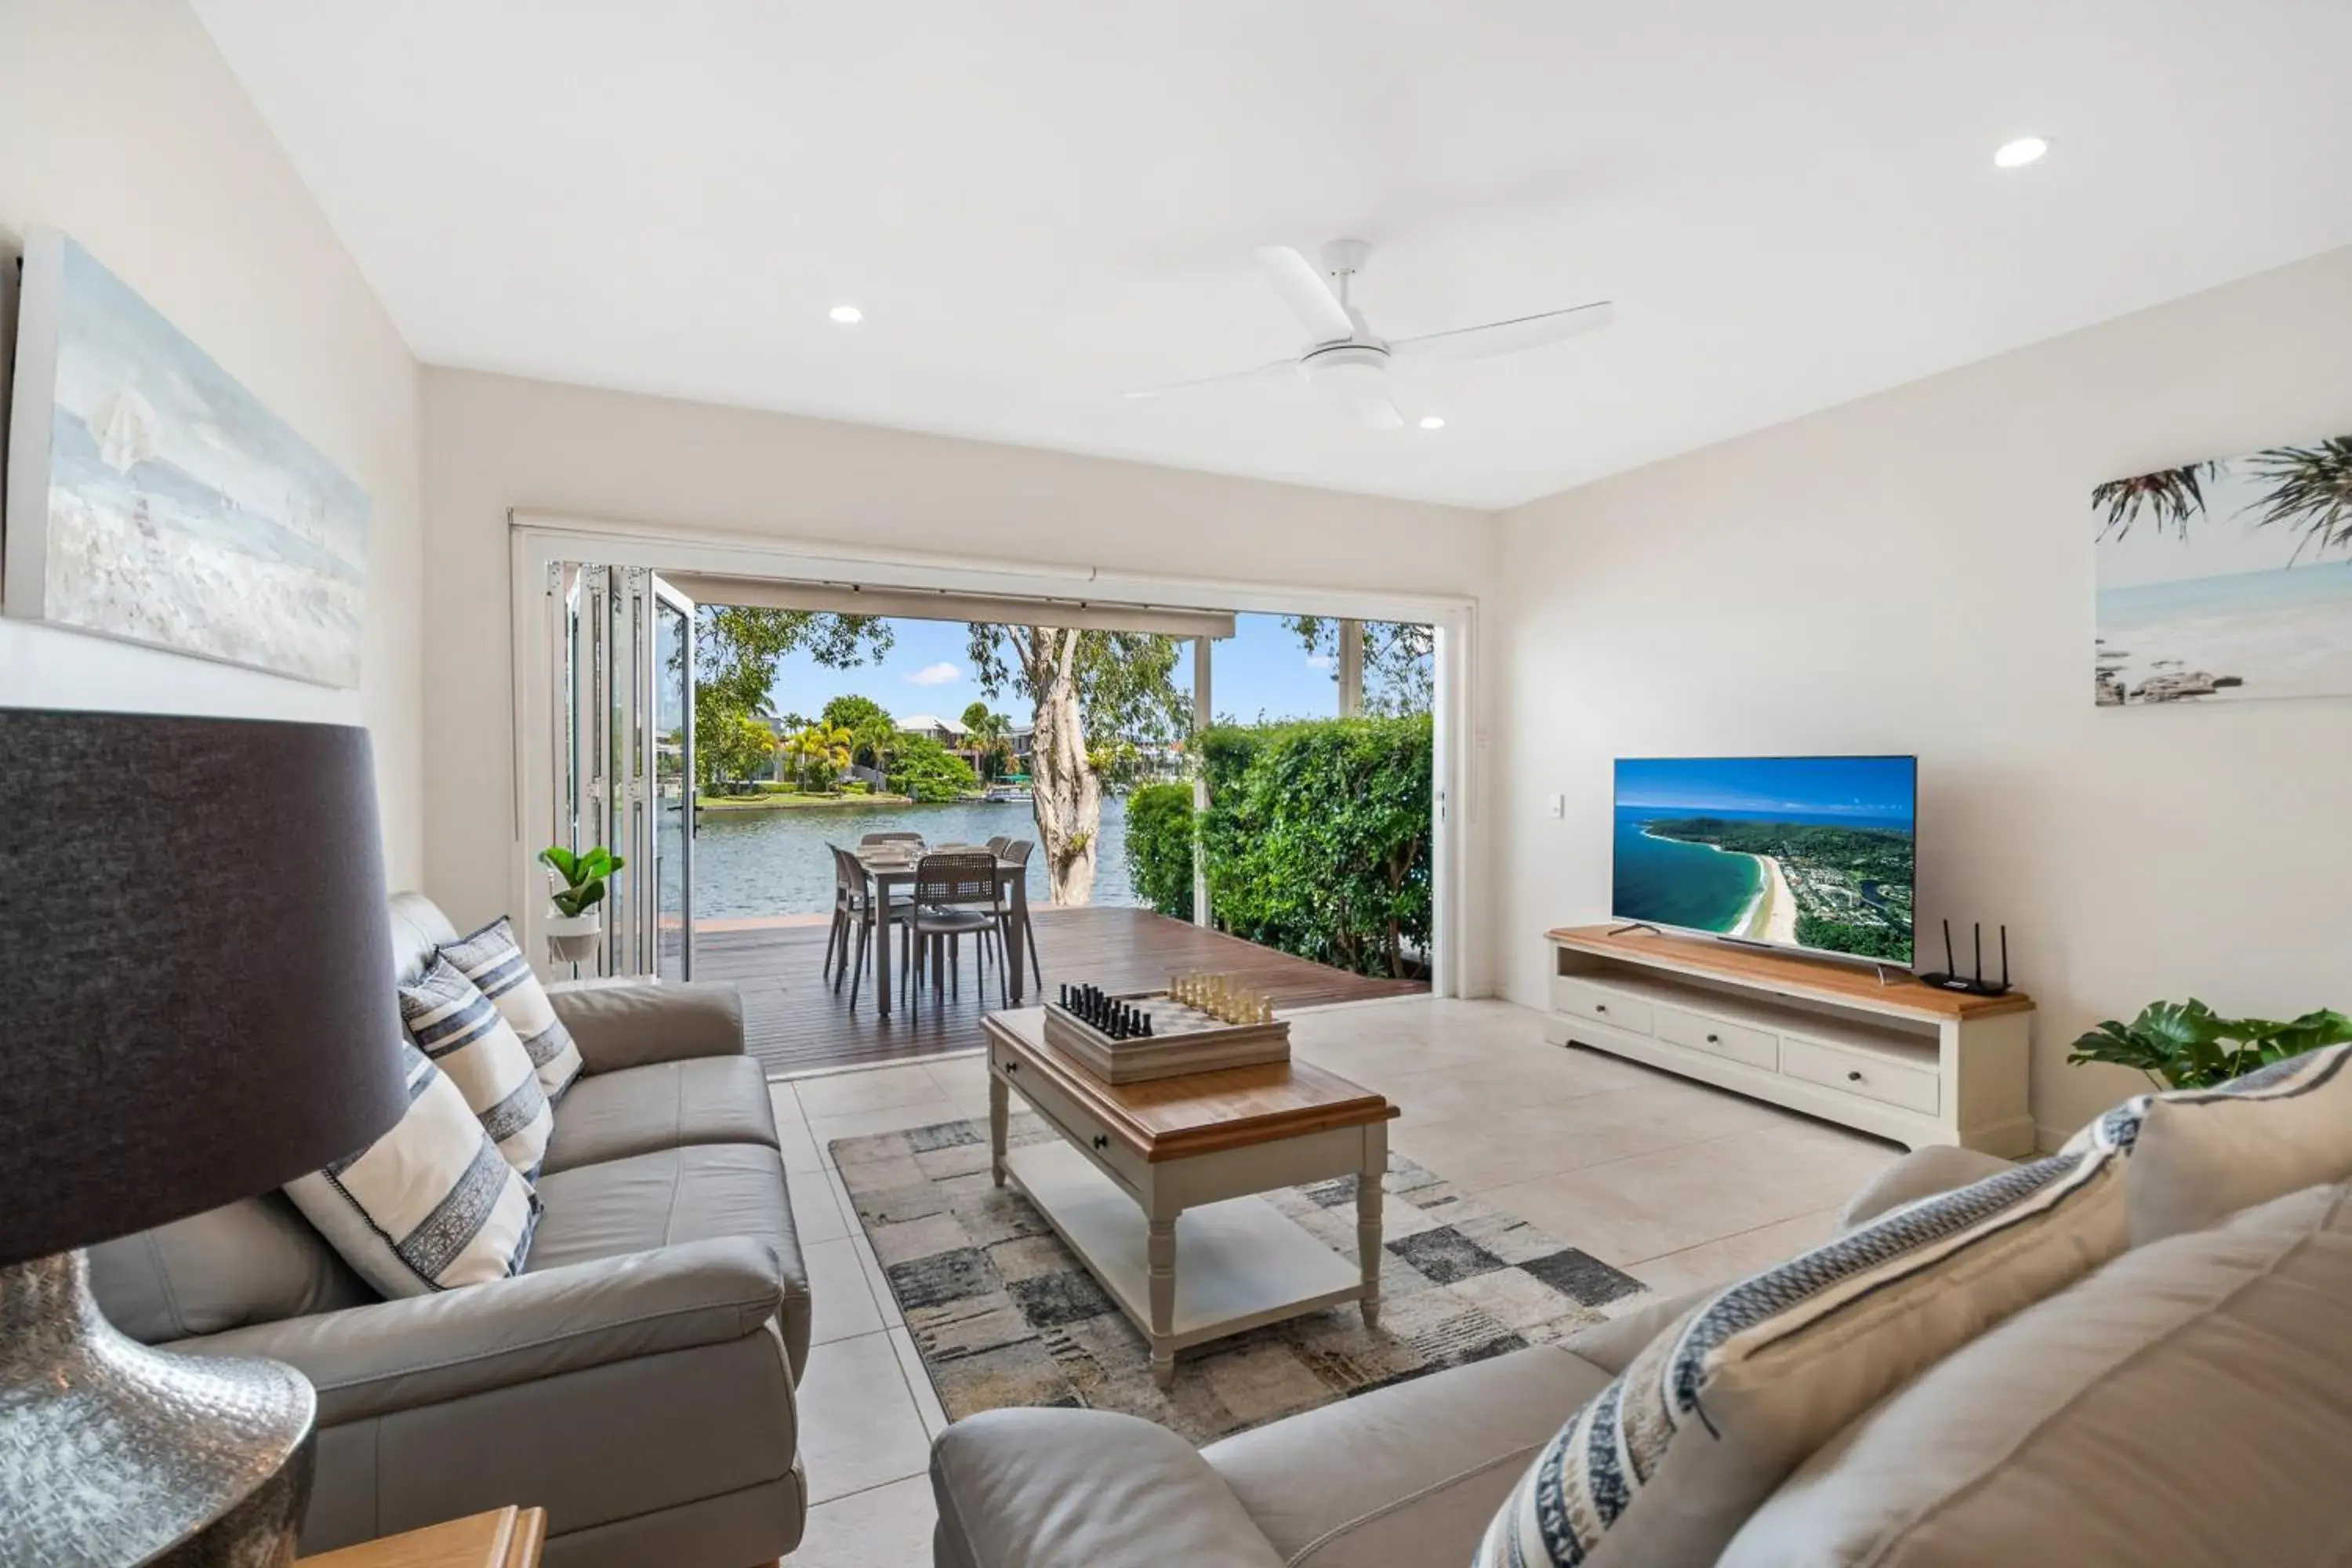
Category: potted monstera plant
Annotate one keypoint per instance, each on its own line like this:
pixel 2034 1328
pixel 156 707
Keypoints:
pixel 2187 1045
pixel 576 887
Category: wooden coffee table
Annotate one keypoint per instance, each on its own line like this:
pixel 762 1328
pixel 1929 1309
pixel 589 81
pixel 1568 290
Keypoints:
pixel 1191 1153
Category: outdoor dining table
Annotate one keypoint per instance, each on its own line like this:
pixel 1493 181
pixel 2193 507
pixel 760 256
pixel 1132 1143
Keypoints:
pixel 889 866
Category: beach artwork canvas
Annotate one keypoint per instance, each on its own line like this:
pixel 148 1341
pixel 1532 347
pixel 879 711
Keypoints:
pixel 152 498
pixel 2225 581
pixel 1810 852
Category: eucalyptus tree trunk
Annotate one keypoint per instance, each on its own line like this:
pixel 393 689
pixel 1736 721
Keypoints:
pixel 1068 797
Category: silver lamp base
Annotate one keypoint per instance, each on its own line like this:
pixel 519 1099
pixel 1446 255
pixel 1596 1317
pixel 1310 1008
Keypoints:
pixel 112 1453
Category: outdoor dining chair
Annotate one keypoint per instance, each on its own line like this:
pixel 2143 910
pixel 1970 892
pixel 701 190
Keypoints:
pixel 955 896
pixel 894 836
pixel 1018 851
pixel 853 921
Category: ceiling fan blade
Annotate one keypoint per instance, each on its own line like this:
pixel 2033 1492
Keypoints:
pixel 1304 289
pixel 1175 387
pixel 1507 337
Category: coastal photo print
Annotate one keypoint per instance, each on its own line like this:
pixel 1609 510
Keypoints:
pixel 153 499
pixel 2227 579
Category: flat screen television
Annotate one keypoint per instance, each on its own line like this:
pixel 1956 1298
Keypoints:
pixel 1810 852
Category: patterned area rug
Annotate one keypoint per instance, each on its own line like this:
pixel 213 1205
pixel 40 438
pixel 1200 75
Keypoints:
pixel 1005 1315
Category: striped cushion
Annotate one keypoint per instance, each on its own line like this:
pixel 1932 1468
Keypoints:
pixel 2199 1155
pixel 454 1025
pixel 431 1204
pixel 493 960
pixel 1665 1464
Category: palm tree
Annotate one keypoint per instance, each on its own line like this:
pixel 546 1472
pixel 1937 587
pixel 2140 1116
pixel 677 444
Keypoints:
pixel 987 733
pixel 2170 496
pixel 2311 489
pixel 823 747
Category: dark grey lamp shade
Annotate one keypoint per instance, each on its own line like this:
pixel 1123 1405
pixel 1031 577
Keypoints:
pixel 196 1001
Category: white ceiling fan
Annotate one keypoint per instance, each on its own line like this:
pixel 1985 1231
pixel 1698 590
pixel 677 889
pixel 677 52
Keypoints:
pixel 1348 362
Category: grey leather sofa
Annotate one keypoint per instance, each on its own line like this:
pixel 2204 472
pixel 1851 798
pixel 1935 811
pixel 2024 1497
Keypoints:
pixel 635 1380
pixel 2189 1402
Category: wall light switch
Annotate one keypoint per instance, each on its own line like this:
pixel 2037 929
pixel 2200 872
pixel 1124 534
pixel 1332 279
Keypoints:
pixel 1559 805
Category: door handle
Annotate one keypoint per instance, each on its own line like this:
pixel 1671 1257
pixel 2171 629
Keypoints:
pixel 1102 1141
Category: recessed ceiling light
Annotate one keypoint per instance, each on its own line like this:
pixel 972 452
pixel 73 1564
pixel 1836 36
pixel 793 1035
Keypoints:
pixel 2023 151
pixel 1431 422
pixel 848 315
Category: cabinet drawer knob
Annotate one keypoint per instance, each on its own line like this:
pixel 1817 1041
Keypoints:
pixel 1715 1039
pixel 1601 1007
pixel 1854 1075
pixel 1011 1067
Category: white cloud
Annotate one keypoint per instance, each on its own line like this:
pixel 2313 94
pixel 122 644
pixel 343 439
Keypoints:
pixel 1321 661
pixel 938 674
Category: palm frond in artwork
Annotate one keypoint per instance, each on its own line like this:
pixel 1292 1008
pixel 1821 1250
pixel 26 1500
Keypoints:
pixel 2169 497
pixel 2310 489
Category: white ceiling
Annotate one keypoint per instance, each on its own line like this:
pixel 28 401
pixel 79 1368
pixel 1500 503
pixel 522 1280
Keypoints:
pixel 1039 203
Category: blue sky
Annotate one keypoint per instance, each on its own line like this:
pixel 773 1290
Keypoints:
pixel 1261 668
pixel 1877 788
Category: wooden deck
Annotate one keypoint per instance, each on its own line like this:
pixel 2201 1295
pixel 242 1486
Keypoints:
pixel 795 1022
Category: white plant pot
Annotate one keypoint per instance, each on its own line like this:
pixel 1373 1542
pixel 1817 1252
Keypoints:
pixel 572 938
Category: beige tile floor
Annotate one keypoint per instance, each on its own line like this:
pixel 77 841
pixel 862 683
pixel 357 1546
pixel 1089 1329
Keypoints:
pixel 1676 1182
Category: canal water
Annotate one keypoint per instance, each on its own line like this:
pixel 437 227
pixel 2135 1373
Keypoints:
pixel 750 863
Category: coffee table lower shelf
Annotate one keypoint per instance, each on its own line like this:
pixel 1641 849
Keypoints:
pixel 1240 1264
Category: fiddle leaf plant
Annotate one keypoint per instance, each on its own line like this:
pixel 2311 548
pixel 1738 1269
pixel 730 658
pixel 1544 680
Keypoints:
pixel 582 874
pixel 2187 1045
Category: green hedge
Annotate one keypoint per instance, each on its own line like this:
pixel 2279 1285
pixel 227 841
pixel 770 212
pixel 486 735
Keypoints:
pixel 1317 838
pixel 1159 847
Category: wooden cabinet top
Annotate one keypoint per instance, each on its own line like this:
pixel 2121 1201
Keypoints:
pixel 1196 1114
pixel 1816 980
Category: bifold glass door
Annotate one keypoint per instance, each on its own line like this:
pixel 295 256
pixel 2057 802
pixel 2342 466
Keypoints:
pixel 623 740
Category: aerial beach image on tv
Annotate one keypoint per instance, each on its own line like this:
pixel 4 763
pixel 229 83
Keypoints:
pixel 1801 851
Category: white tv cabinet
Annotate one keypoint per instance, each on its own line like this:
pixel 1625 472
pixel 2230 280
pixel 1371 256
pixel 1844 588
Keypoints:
pixel 1889 1056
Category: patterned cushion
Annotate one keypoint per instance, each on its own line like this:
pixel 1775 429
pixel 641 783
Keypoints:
pixel 454 1025
pixel 493 960
pixel 429 1205
pixel 2199 1155
pixel 1665 1464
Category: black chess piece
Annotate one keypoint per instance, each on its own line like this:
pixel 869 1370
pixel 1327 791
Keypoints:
pixel 1147 1026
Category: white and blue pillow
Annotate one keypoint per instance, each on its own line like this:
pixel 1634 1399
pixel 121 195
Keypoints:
pixel 1665 1464
pixel 494 962
pixel 430 1206
pixel 463 1034
pixel 2199 1155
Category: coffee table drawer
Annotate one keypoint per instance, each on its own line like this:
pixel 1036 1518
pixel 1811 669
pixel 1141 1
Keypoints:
pixel 1601 1004
pixel 1735 1042
pixel 1857 1072
pixel 1080 1127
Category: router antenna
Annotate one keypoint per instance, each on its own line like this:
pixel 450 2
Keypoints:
pixel 1949 967
pixel 1980 952
pixel 2004 955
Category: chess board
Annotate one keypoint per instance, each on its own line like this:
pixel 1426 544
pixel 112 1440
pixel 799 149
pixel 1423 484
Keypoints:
pixel 1183 1039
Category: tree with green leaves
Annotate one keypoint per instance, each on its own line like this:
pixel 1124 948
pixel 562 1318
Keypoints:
pixel 991 739
pixel 1400 660
pixel 1120 685
pixel 822 750
pixel 871 729
pixel 926 771
pixel 740 649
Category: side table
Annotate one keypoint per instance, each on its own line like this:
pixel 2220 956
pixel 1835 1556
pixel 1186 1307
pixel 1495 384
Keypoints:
pixel 505 1537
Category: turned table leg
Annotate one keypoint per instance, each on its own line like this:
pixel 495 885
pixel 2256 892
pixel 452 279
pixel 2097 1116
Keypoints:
pixel 1000 1113
pixel 1368 1219
pixel 1160 1255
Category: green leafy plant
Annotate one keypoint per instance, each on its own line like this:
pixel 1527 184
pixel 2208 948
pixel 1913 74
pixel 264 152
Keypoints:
pixel 2168 496
pixel 2187 1045
pixel 1317 838
pixel 583 877
pixel 1159 847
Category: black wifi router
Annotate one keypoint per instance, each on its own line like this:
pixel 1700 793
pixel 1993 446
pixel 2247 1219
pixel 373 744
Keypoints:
pixel 1950 979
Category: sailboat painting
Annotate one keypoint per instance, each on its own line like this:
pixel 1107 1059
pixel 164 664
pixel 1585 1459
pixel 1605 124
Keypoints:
pixel 153 499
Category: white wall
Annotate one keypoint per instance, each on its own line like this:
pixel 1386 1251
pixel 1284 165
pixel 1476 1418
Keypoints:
pixel 121 124
pixel 1913 573
pixel 494 442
